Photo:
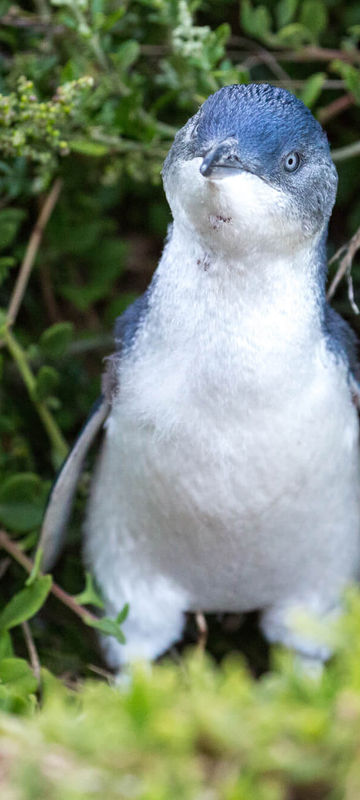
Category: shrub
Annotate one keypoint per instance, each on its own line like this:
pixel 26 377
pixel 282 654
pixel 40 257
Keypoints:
pixel 91 94
pixel 199 731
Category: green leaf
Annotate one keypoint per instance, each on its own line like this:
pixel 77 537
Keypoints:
pixel 121 617
pixel 285 12
pixel 350 74
pixel 90 595
pixel 312 88
pixel 3 320
pixel 6 262
pixel 10 219
pixel 111 19
pixel 6 648
pixel 56 339
pixel 88 148
pixel 126 54
pixel 25 603
pixel 4 7
pixel 46 381
pixel 22 501
pixel 16 673
pixel 314 16
pixel 255 21
pixel 294 35
pixel 354 33
pixel 34 574
pixel 107 264
pixel 110 627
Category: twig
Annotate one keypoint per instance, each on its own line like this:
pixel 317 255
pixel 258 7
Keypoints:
pixel 48 421
pixel 337 83
pixel 33 655
pixel 104 673
pixel 120 145
pixel 31 251
pixel 26 562
pixel 48 293
pixel 13 20
pixel 92 37
pixel 350 250
pixel 202 629
pixel 335 108
pixel 341 153
pixel 260 55
pixel 314 53
pixel 308 53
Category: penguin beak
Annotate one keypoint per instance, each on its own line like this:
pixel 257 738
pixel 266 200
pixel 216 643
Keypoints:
pixel 222 159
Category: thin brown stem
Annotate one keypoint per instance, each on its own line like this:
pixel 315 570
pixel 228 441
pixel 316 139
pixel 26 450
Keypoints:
pixel 202 630
pixel 48 293
pixel 349 151
pixel 17 554
pixel 31 252
pixel 104 673
pixel 314 53
pixel 335 108
pixel 33 654
pixel 344 268
pixel 337 83
pixel 14 20
pixel 304 54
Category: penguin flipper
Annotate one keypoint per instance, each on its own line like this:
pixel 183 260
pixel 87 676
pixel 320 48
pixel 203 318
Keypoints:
pixel 53 532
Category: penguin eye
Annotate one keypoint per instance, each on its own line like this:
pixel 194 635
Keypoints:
pixel 292 162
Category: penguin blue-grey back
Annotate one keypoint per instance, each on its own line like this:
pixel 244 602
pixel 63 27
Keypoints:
pixel 228 478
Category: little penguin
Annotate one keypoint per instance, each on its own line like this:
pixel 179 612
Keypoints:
pixel 228 478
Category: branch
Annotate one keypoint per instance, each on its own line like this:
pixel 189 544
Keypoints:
pixel 296 83
pixel 31 251
pixel 17 554
pixel 33 654
pixel 314 53
pixel 29 379
pixel 14 20
pixel 303 55
pixel 349 151
pixel 339 105
pixel 202 627
pixel 350 249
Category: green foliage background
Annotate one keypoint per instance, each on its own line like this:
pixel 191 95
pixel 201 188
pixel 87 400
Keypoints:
pixel 91 94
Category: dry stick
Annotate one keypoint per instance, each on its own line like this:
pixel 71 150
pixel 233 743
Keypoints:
pixel 338 106
pixel 344 268
pixel 16 351
pixel 31 251
pixel 314 53
pixel 202 628
pixel 17 21
pixel 61 595
pixel 33 655
pixel 308 53
pixel 350 151
pixel 48 293
pixel 300 83
pixel 100 671
pixel 269 59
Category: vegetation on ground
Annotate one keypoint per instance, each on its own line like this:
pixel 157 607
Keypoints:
pixel 91 95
